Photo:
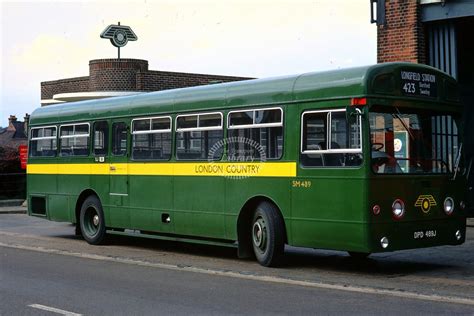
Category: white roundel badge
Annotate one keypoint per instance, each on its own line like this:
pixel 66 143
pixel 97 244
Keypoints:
pixel 397 144
pixel 119 35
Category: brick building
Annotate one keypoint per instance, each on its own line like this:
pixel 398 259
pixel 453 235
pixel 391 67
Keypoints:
pixel 119 77
pixel 437 33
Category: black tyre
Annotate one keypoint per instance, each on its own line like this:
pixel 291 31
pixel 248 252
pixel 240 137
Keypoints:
pixel 359 255
pixel 268 235
pixel 92 221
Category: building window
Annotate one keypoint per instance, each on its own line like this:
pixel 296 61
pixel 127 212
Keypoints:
pixel 43 142
pixel 151 138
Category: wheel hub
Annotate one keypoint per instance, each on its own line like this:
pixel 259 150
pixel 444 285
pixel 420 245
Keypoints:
pixel 95 220
pixel 259 234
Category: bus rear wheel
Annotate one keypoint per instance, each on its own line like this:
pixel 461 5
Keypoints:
pixel 268 235
pixel 92 221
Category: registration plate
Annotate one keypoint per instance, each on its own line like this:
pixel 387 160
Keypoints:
pixel 424 234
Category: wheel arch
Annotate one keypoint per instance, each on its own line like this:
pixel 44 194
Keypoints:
pixel 244 222
pixel 82 197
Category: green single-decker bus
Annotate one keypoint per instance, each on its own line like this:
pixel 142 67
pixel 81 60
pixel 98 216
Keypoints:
pixel 363 160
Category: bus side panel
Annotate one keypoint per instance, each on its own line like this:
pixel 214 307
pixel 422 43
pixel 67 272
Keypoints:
pixel 69 189
pixel 40 186
pixel 58 208
pixel 42 183
pixel 199 206
pixel 329 212
pixel 239 191
pixel 150 198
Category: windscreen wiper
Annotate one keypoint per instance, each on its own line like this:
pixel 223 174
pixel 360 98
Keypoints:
pixel 456 164
pixel 403 123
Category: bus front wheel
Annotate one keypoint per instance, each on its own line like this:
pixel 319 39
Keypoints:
pixel 268 235
pixel 92 221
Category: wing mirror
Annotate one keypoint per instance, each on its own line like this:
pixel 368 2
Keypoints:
pixel 352 113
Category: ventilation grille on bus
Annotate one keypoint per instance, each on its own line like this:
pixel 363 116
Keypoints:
pixel 38 205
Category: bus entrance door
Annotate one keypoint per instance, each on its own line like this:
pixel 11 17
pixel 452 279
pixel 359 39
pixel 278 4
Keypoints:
pixel 118 171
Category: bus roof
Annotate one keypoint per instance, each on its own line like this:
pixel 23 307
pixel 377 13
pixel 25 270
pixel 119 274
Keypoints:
pixel 380 79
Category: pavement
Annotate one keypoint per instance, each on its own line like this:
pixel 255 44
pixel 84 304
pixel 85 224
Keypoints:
pixel 13 207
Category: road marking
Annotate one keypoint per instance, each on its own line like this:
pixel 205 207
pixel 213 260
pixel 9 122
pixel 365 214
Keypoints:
pixel 261 278
pixel 54 310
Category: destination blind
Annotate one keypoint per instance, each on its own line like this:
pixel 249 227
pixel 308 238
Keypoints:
pixel 418 84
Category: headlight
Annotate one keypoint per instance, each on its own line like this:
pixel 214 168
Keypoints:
pixel 398 208
pixel 448 205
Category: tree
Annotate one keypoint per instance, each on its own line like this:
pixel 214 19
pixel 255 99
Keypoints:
pixel 9 160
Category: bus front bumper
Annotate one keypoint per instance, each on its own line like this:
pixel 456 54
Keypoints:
pixel 416 234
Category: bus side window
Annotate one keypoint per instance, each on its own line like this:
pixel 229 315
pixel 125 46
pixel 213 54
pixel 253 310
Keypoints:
pixel 198 136
pixel 314 132
pixel 119 139
pixel 151 138
pixel 259 133
pixel 101 138
pixel 328 140
pixel 74 139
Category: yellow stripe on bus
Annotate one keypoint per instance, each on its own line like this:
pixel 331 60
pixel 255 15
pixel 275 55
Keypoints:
pixel 234 169
pixel 67 169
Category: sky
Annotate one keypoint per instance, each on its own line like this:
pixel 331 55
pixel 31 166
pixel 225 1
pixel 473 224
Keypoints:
pixel 50 40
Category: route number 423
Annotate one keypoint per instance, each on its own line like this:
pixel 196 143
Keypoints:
pixel 409 87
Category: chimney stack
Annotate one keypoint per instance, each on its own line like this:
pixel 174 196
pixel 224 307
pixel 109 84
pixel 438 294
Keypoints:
pixel 11 120
pixel 27 120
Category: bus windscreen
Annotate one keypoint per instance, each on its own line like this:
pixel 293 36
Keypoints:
pixel 412 141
